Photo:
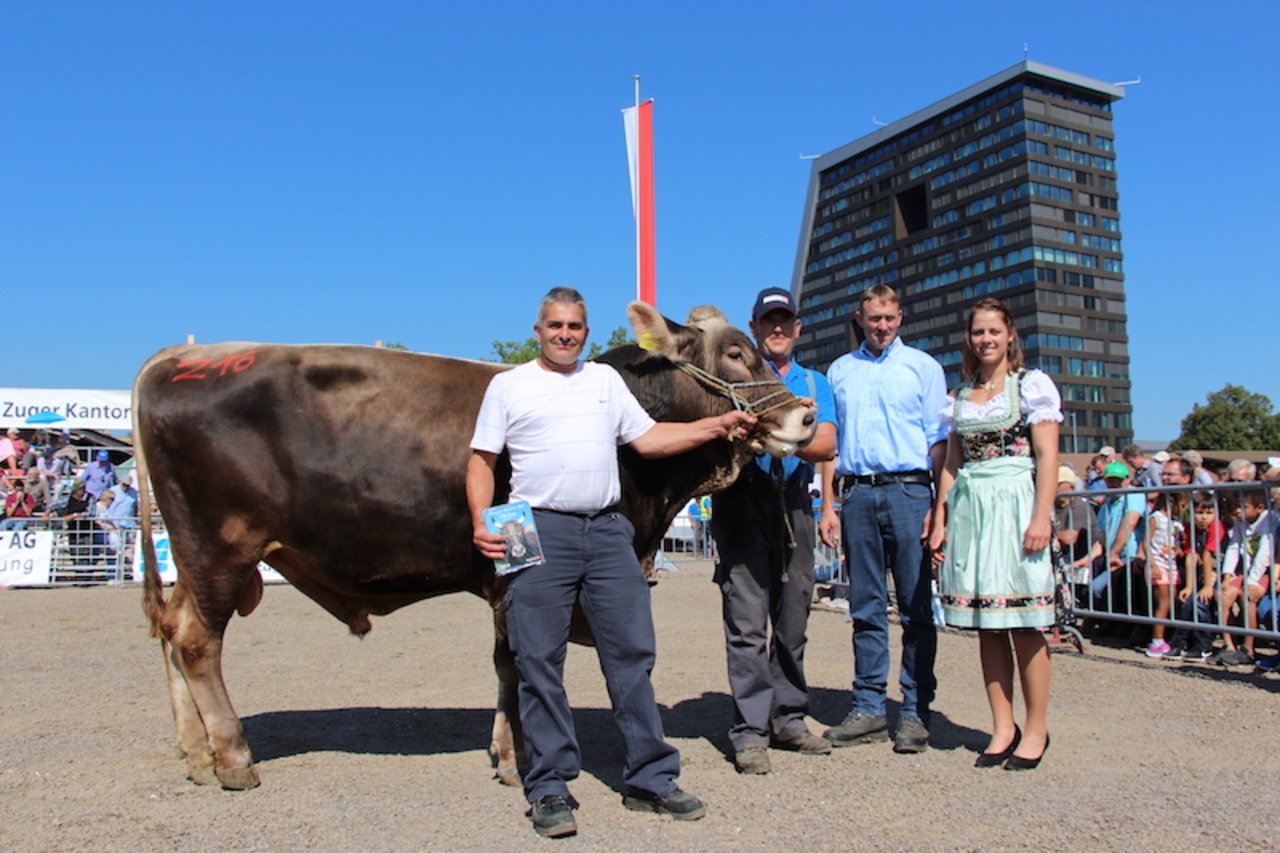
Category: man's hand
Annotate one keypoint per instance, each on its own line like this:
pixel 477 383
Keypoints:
pixel 735 425
pixel 492 545
pixel 937 543
pixel 829 527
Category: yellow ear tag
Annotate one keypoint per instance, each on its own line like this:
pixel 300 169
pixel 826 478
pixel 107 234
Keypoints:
pixel 647 341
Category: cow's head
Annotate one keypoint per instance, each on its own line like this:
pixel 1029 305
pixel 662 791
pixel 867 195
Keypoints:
pixel 725 363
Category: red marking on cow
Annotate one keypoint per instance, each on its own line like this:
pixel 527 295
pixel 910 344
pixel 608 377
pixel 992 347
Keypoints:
pixel 196 368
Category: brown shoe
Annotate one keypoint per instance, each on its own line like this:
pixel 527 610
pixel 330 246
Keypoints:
pixel 752 761
pixel 804 743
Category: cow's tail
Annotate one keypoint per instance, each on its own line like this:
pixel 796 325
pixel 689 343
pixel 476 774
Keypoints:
pixel 152 588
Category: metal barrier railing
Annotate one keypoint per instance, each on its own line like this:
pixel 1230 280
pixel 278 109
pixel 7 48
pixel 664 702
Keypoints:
pixel 84 552
pixel 1234 518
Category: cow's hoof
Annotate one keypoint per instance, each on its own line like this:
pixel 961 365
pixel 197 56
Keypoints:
pixel 238 778
pixel 508 776
pixel 200 768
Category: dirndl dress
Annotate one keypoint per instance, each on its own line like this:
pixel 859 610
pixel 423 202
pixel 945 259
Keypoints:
pixel 986 579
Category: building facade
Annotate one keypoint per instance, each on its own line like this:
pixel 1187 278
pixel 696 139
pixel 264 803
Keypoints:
pixel 1005 189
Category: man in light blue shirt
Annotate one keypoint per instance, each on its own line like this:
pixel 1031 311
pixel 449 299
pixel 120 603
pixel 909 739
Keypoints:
pixel 764 528
pixel 889 400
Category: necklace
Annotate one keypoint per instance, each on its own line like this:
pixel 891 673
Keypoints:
pixel 991 384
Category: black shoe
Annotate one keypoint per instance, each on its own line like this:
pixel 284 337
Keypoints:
pixel 911 735
pixel 552 816
pixel 859 728
pixel 994 759
pixel 1017 762
pixel 678 804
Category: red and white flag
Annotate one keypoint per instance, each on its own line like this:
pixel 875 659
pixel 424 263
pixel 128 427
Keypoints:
pixel 638 122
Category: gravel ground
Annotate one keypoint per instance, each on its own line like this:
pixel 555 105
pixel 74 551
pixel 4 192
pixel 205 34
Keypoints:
pixel 380 744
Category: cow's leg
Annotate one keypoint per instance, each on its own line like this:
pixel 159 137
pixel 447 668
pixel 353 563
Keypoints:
pixel 197 654
pixel 507 746
pixel 193 740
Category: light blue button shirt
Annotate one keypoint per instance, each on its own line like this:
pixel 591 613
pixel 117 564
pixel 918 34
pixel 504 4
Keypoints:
pixel 888 409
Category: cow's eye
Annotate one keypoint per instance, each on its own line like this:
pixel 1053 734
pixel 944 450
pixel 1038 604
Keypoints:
pixel 734 353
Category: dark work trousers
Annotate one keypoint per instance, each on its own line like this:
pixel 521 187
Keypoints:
pixel 591 561
pixel 766 673
pixel 881 528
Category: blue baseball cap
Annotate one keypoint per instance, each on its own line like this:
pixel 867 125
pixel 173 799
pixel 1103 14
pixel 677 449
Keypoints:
pixel 103 456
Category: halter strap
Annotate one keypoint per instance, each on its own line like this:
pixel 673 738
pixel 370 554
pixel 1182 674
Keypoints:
pixel 731 389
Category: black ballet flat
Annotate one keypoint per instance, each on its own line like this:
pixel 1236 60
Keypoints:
pixel 1017 762
pixel 995 759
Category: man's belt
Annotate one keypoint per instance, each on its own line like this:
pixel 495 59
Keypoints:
pixel 920 478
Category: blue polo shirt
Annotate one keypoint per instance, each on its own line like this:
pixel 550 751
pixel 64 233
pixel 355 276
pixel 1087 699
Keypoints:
pixel 798 382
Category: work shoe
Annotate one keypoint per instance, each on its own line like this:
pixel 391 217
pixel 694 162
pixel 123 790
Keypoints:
pixel 752 761
pixel 859 728
pixel 911 735
pixel 678 804
pixel 805 743
pixel 552 816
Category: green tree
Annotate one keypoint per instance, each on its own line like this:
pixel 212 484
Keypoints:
pixel 1231 419
pixel 518 352
pixel 397 345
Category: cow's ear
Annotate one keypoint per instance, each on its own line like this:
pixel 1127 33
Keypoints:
pixel 655 333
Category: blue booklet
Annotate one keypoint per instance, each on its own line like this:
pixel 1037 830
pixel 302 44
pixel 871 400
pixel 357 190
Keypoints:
pixel 514 521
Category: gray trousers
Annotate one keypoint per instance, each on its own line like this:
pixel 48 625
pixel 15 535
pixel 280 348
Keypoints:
pixel 590 561
pixel 766 671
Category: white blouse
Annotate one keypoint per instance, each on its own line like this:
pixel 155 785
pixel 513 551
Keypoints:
pixel 1040 402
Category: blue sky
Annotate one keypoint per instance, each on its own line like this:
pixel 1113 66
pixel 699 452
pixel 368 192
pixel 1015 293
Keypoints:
pixel 423 172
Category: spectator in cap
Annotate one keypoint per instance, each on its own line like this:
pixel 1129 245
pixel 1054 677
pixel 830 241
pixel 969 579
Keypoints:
pixel 125 506
pixel 1201 476
pixel 1072 517
pixel 99 475
pixel 1107 451
pixel 1120 521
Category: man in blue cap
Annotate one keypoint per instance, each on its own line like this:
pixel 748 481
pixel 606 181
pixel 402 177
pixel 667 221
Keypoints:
pixel 99 475
pixel 764 529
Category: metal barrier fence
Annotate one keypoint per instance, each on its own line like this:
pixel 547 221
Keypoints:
pixel 1200 573
pixel 82 552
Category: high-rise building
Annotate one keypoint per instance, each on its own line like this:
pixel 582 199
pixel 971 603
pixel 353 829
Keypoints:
pixel 1005 189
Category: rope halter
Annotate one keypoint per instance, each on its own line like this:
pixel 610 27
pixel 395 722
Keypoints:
pixel 754 407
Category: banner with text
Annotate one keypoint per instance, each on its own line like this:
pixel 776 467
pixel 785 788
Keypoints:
pixel 71 408
pixel 25 556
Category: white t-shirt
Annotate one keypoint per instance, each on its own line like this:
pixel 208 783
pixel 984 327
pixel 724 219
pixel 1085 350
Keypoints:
pixel 562 431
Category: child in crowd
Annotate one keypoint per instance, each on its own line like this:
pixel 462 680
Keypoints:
pixel 1246 571
pixel 1164 538
pixel 1202 545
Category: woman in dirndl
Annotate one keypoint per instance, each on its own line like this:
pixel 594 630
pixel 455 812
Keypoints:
pixel 996 496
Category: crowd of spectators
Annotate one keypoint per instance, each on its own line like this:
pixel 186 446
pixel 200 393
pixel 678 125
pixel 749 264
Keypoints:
pixel 1205 556
pixel 42 481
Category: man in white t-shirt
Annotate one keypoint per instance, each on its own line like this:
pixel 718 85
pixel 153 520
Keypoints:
pixel 561 420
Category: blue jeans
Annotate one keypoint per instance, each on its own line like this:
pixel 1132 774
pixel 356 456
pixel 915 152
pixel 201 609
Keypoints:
pixel 881 528
pixel 590 561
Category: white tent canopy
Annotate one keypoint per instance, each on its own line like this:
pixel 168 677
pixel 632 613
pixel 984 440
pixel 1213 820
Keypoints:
pixel 65 408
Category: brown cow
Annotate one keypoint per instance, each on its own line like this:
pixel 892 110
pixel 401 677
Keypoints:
pixel 343 468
